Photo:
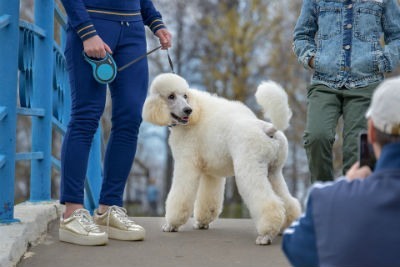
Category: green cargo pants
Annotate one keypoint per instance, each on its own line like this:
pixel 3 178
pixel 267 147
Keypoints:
pixel 325 105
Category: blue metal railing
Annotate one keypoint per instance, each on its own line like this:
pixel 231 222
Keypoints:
pixel 37 67
pixel 8 83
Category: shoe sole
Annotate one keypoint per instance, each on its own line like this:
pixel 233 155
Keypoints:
pixel 68 236
pixel 114 233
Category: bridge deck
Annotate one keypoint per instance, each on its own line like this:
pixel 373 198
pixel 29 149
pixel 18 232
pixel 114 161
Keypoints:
pixel 228 242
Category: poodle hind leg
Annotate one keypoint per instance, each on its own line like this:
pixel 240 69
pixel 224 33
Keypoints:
pixel 292 205
pixel 266 208
pixel 209 201
pixel 179 203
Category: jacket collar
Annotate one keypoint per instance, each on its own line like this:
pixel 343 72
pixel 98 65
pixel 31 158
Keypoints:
pixel 389 158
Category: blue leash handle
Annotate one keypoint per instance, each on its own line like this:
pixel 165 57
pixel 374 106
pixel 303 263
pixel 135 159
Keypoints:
pixel 104 70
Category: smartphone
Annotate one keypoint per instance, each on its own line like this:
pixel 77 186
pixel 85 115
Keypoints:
pixel 366 154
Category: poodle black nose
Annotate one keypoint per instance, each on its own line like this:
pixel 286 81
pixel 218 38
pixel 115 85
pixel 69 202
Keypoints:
pixel 187 111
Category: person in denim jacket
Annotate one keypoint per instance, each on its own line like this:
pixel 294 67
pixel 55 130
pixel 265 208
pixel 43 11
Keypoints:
pixel 340 40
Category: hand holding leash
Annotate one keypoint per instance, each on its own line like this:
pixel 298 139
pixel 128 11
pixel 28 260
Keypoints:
pixel 95 47
pixel 164 37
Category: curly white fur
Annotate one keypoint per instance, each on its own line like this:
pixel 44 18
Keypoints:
pixel 216 138
pixel 274 101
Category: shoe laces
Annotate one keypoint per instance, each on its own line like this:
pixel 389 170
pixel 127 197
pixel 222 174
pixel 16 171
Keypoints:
pixel 120 215
pixel 85 220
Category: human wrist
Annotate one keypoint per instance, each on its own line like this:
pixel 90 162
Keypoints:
pixel 86 31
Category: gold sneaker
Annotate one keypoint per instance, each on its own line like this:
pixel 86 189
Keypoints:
pixel 118 225
pixel 80 229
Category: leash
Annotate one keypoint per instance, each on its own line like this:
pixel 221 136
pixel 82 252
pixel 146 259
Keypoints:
pixel 145 55
pixel 138 58
pixel 170 62
pixel 105 70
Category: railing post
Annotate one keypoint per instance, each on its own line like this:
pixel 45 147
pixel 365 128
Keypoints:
pixel 8 102
pixel 40 188
pixel 94 176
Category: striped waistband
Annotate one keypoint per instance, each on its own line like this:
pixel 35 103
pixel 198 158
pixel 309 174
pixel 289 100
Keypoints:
pixel 115 15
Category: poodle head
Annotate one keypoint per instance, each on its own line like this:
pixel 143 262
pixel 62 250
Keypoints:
pixel 169 101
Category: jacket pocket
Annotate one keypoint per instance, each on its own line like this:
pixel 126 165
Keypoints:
pixel 328 57
pixel 380 61
pixel 367 20
pixel 329 22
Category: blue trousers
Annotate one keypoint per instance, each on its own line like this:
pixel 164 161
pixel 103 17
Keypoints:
pixel 128 92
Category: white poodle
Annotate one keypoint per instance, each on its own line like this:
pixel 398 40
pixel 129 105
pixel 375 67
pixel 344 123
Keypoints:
pixel 213 138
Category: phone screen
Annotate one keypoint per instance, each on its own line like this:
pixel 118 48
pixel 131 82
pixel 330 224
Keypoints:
pixel 366 154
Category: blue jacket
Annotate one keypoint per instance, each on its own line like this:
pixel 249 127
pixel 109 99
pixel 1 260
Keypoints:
pixel 344 36
pixel 351 224
pixel 80 13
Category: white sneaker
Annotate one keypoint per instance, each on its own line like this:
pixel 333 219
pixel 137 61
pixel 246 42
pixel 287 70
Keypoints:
pixel 80 229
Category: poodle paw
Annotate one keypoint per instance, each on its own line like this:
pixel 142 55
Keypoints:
pixel 169 228
pixel 200 226
pixel 263 240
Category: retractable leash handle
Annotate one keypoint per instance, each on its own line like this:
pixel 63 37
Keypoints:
pixel 104 70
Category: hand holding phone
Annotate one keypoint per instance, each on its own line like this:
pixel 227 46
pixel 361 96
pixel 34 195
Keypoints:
pixel 366 154
pixel 357 172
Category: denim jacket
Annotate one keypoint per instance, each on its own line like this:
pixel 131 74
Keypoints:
pixel 344 37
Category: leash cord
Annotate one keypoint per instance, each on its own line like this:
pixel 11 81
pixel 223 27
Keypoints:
pixel 139 58
pixel 145 55
pixel 170 62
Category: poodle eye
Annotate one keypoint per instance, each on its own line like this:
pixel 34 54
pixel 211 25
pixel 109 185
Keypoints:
pixel 185 96
pixel 171 96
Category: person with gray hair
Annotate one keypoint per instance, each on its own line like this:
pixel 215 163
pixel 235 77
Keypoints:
pixel 354 221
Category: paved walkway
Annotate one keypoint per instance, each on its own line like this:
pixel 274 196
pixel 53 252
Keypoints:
pixel 228 242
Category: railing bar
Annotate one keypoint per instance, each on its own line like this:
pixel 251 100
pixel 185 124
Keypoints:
pixel 29 156
pixel 59 16
pixel 3 112
pixel 58 49
pixel 58 126
pixel 4 20
pixel 56 163
pixel 38 112
pixel 9 36
pixel 32 27
pixel 90 201
pixel 2 160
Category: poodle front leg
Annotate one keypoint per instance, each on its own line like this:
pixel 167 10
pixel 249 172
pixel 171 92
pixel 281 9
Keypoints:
pixel 209 200
pixel 179 204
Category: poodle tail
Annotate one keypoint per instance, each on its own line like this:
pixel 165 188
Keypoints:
pixel 274 101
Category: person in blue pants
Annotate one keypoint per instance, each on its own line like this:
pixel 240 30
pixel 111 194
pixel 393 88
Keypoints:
pixel 97 27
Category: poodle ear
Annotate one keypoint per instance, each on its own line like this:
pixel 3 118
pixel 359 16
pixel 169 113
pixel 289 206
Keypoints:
pixel 194 104
pixel 156 111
